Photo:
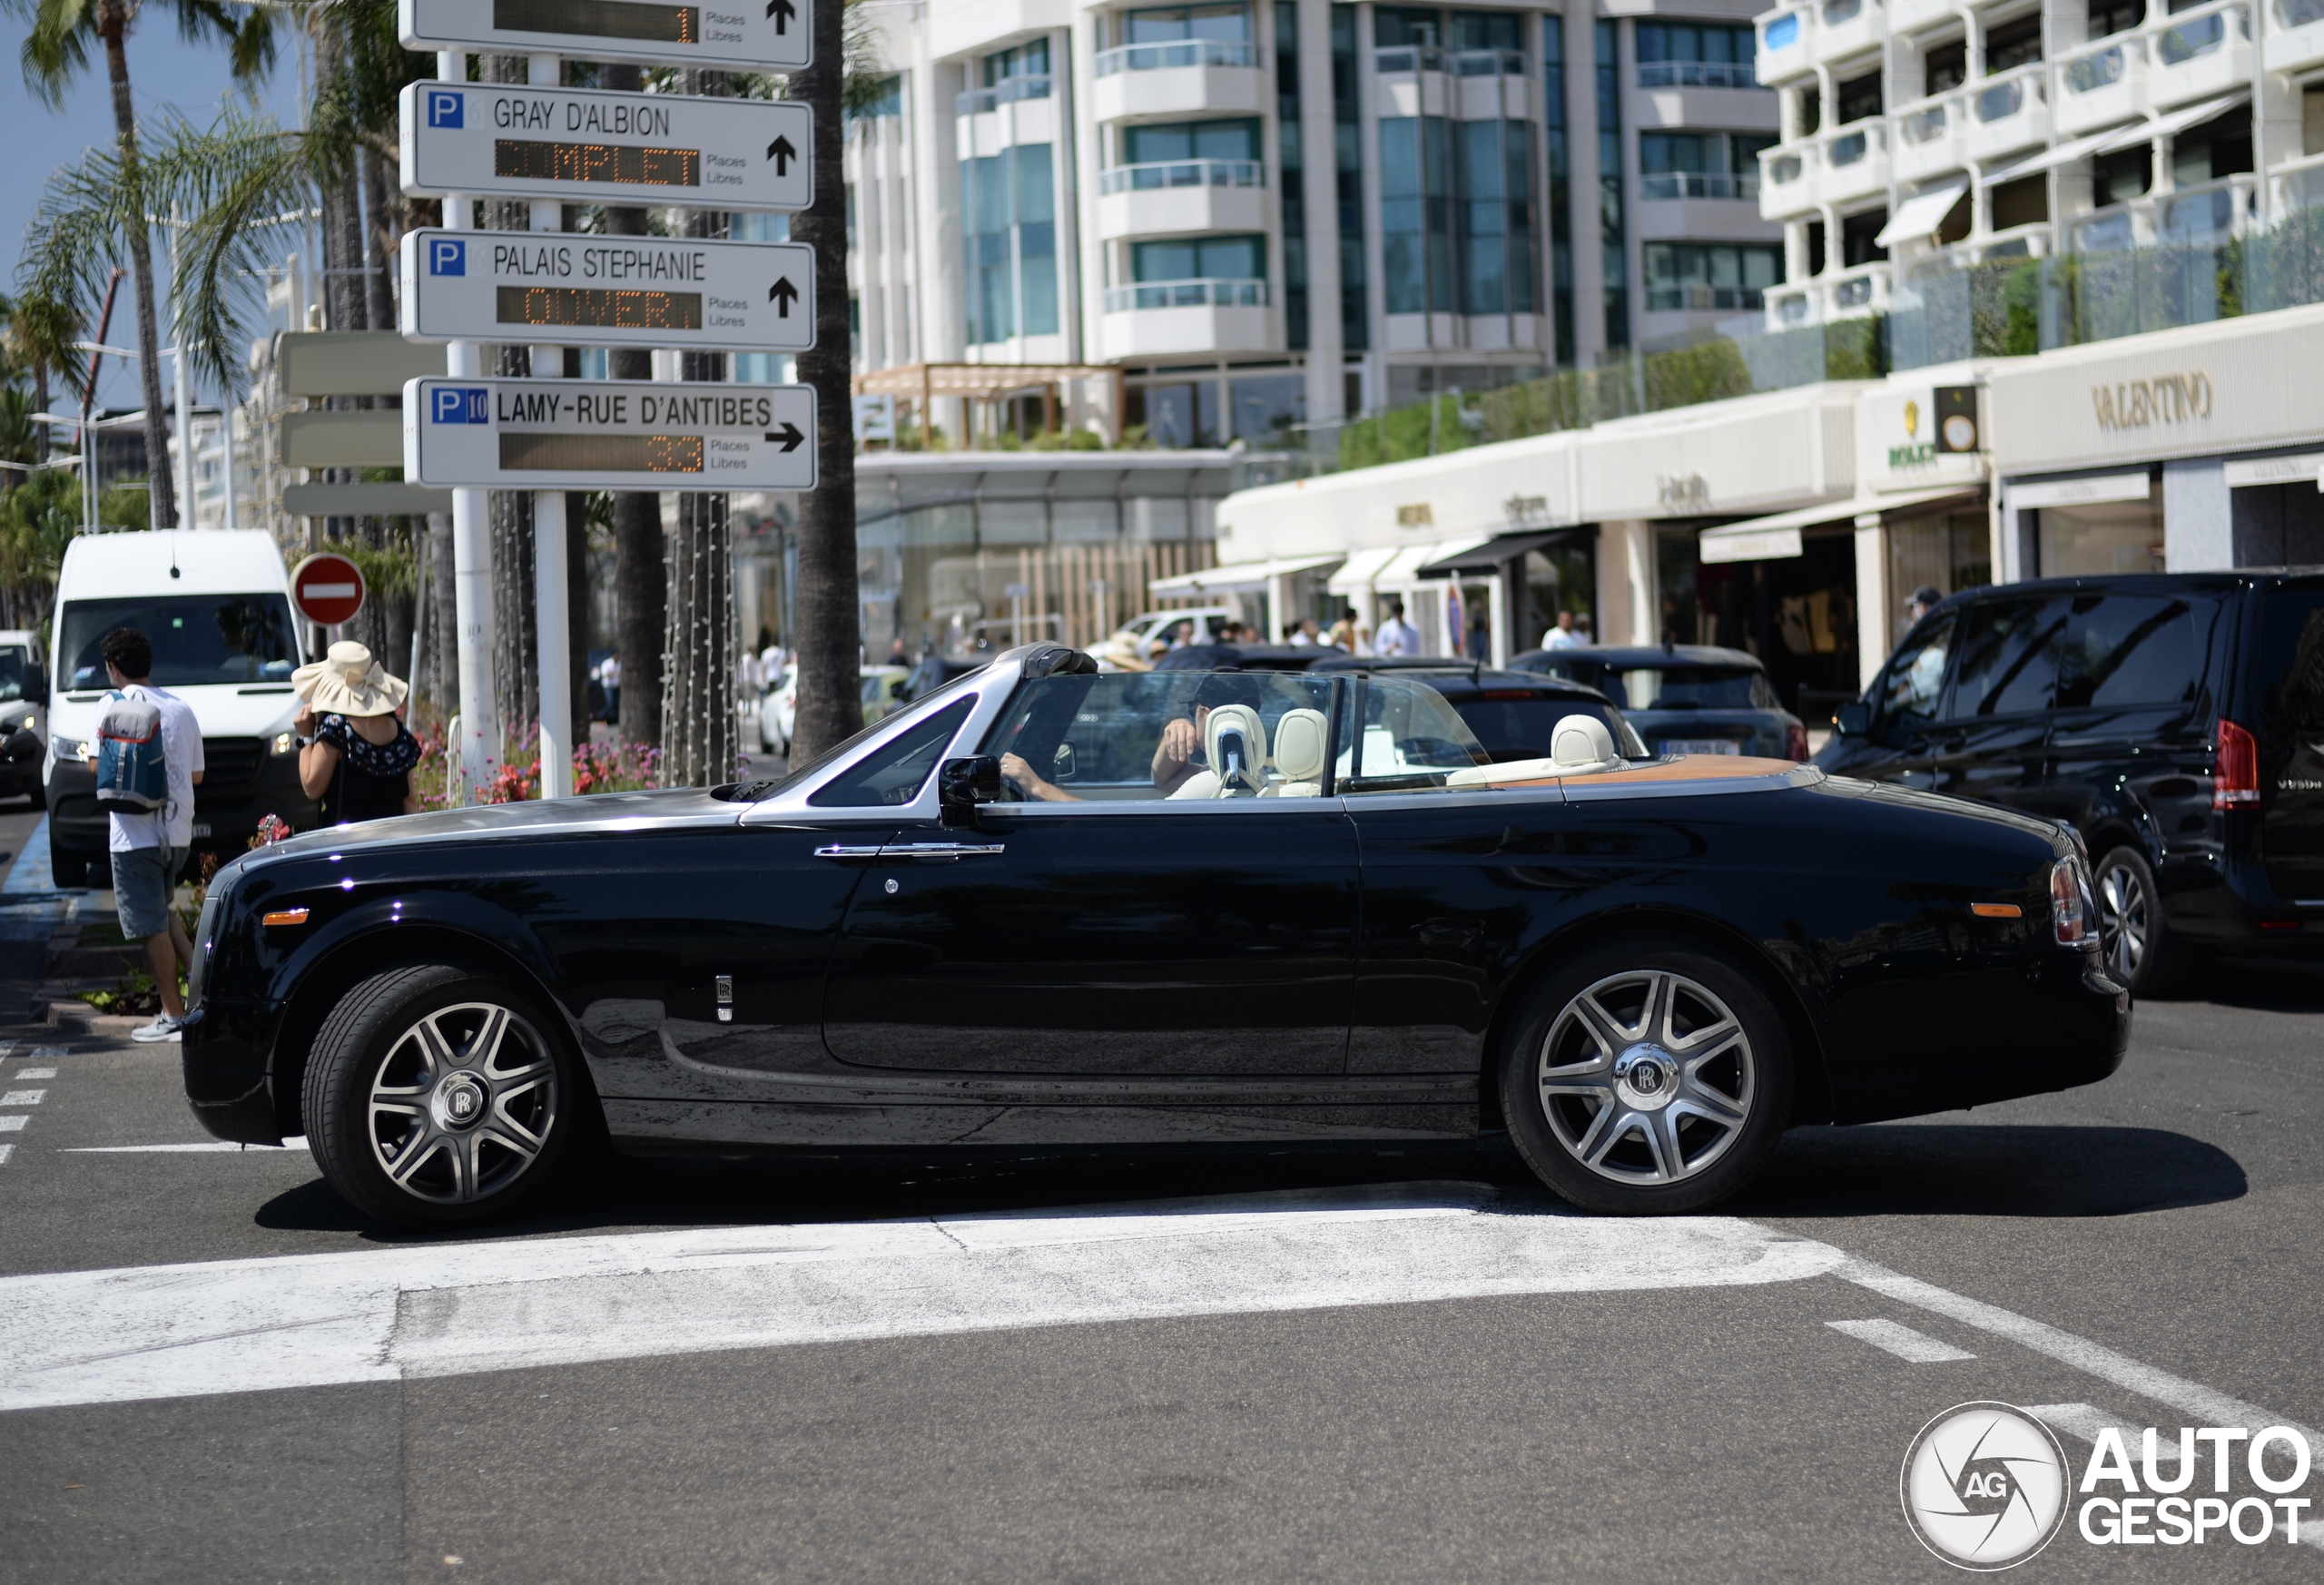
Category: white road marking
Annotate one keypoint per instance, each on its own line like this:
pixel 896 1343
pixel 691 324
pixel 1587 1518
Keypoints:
pixel 166 1331
pixel 1903 1342
pixel 43 1053
pixel 24 1073
pixel 5 1152
pixel 22 1097
pixel 297 1142
pixel 15 1123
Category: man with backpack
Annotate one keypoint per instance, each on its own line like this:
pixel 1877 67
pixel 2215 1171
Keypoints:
pixel 148 759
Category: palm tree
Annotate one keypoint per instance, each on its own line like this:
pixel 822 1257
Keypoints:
pixel 54 52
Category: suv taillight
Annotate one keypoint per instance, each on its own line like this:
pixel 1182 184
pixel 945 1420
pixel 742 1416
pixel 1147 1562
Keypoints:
pixel 2236 778
pixel 2073 904
pixel 1795 741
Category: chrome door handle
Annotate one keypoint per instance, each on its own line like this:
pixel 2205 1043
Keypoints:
pixel 946 852
pixel 844 851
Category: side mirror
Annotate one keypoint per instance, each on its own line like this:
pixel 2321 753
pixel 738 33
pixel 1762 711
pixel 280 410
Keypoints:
pixel 1851 719
pixel 962 784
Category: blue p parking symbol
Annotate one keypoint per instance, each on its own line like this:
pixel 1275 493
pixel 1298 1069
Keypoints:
pixel 445 107
pixel 447 256
pixel 460 404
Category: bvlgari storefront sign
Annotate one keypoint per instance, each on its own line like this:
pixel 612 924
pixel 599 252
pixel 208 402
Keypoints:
pixel 2165 398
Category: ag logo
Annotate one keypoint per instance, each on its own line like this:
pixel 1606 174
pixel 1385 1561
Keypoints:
pixel 1985 1486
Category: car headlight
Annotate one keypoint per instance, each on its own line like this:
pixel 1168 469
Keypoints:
pixel 284 741
pixel 68 748
pixel 2073 902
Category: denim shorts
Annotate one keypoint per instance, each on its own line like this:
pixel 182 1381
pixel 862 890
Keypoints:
pixel 143 879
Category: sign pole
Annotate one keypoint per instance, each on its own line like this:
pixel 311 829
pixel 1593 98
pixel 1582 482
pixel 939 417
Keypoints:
pixel 553 645
pixel 480 745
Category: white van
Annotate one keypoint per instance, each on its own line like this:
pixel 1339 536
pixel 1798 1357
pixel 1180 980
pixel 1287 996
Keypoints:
pixel 216 607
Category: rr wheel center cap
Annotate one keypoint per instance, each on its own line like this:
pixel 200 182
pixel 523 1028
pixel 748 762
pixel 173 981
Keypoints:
pixel 1646 1078
pixel 459 1102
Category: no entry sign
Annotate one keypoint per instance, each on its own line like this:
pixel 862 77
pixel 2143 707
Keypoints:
pixel 329 589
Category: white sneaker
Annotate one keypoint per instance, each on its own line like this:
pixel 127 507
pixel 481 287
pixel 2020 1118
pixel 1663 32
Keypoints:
pixel 162 1027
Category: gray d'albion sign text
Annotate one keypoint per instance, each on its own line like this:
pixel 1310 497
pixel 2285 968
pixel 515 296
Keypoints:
pixel 736 34
pixel 625 435
pixel 607 148
pixel 607 291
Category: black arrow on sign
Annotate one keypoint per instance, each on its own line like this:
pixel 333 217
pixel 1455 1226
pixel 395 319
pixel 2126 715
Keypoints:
pixel 782 294
pixel 789 435
pixel 782 153
pixel 782 11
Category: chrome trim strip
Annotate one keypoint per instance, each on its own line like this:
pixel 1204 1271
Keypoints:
pixel 945 851
pixel 849 851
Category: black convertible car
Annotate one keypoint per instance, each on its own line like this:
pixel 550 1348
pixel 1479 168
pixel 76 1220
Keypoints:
pixel 1041 905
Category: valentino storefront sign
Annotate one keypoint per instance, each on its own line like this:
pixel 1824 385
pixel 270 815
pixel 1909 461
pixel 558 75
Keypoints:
pixel 2167 398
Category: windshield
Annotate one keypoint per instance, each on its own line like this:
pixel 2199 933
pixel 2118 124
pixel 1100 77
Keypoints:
pixel 196 639
pixel 13 663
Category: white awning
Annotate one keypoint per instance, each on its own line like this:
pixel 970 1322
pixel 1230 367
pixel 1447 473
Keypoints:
pixel 1920 214
pixel 1403 570
pixel 1242 576
pixel 2047 159
pixel 1362 566
pixel 1776 535
pixel 2178 120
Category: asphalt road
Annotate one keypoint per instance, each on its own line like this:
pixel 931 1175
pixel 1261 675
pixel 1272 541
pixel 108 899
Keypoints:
pixel 1309 1375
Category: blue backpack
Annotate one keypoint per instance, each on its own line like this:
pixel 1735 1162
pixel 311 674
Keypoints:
pixel 131 775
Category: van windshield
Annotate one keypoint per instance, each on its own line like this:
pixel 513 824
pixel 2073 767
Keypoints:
pixel 13 663
pixel 196 639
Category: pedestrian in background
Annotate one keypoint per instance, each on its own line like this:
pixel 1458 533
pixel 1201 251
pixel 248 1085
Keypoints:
pixel 1561 636
pixel 355 753
pixel 1397 635
pixel 149 849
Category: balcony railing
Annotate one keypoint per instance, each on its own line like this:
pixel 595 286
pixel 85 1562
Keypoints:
pixel 1846 149
pixel 2175 47
pixel 2207 215
pixel 1839 13
pixel 2291 14
pixel 1158 174
pixel 2004 99
pixel 1926 126
pixel 1703 74
pixel 1406 59
pixel 2099 69
pixel 1008 90
pixel 1166 294
pixel 1667 184
pixel 1702 298
pixel 1194 52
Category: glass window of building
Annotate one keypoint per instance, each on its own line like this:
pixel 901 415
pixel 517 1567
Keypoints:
pixel 1700 164
pixel 1347 169
pixel 1946 66
pixel 1553 131
pixel 1698 276
pixel 1191 140
pixel 1171 24
pixel 1242 257
pixel 1398 27
pixel 1695 54
pixel 2012 44
pixel 1415 220
pixel 1031 59
pixel 1486 30
pixel 1859 99
pixel 1266 406
pixel 1009 215
pixel 1177 415
pixel 2111 537
pixel 1496 183
pixel 2113 16
pixel 1291 174
pixel 1614 252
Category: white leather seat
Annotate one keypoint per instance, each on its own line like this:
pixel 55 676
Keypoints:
pixel 1235 742
pixel 1302 742
pixel 1581 747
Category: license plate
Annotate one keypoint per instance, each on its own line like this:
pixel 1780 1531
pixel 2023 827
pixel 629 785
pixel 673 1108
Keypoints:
pixel 202 828
pixel 1699 745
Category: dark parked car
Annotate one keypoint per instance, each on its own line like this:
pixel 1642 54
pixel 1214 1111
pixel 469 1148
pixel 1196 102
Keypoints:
pixel 1046 906
pixel 2175 721
pixel 1685 698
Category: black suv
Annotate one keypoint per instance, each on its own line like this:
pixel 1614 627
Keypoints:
pixel 2164 717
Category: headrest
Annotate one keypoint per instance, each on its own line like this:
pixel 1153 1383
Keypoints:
pixel 1302 741
pixel 1581 743
pixel 1234 730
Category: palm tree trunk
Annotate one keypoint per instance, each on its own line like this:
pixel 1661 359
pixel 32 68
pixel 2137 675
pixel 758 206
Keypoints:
pixel 379 289
pixel 641 577
pixel 828 642
pixel 113 24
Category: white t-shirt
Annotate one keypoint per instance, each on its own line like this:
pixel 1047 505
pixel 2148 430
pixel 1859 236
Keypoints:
pixel 172 826
pixel 1559 638
pixel 1397 637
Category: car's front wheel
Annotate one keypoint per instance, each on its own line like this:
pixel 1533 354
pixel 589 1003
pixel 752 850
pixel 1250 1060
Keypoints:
pixel 2136 939
pixel 1647 1080
pixel 436 1096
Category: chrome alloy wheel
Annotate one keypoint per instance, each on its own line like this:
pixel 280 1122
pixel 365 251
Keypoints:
pixel 1646 1077
pixel 462 1104
pixel 2122 924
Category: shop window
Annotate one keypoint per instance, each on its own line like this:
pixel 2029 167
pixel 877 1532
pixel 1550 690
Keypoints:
pixel 2014 45
pixel 1946 66
pixel 1858 98
pixel 2114 536
pixel 2127 649
pixel 1177 416
pixel 1857 245
pixel 2023 202
pixel 2278 525
pixel 1266 406
pixel 1559 580
pixel 1948 554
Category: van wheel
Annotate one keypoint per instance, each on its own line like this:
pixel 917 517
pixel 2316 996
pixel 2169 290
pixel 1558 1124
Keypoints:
pixel 1647 1080
pixel 71 871
pixel 437 1098
pixel 2138 945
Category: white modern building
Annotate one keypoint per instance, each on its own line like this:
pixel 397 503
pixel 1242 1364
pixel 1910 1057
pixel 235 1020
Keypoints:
pixel 1921 135
pixel 1267 214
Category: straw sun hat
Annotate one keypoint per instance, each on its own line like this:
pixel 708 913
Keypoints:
pixel 348 682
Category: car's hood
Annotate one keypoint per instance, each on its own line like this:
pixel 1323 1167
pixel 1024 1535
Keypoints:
pixel 606 812
pixel 223 711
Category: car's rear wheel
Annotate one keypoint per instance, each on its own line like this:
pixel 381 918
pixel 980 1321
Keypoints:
pixel 437 1098
pixel 69 870
pixel 1647 1080
pixel 2139 947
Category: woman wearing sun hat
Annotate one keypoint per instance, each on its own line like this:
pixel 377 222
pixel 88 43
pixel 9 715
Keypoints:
pixel 356 754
